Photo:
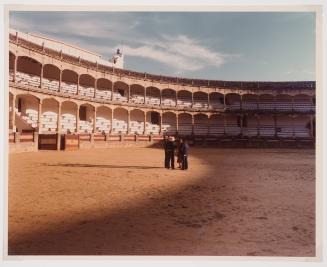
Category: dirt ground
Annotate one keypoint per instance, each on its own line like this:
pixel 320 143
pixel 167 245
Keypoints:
pixel 121 201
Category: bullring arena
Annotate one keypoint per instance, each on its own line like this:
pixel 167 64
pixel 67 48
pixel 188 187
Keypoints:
pixel 105 192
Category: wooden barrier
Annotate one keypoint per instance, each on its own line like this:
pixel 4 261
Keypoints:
pixel 157 138
pixel 99 137
pixel 114 138
pixel 48 141
pixel 27 137
pixel 130 138
pixel 85 137
pixel 143 138
pixel 71 142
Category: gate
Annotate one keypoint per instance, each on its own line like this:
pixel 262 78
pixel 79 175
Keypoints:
pixel 71 142
pixel 47 142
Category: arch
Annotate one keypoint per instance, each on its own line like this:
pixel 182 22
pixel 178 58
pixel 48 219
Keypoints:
pixel 51 77
pixel 28 71
pixel 120 91
pixel 152 122
pixel 49 115
pixel 302 103
pixel 233 101
pixel 103 119
pixel 168 97
pixel 86 118
pixel 201 124
pixel 200 100
pixel 137 93
pixel 216 100
pixel 27 112
pixel 283 102
pixel 184 124
pixel 249 102
pixel 136 125
pixel 103 89
pixel 120 120
pixel 69 116
pixel 69 81
pixel 266 102
pixel 169 123
pixel 86 85
pixel 152 96
pixel 266 125
pixel 232 127
pixel 216 125
pixel 184 99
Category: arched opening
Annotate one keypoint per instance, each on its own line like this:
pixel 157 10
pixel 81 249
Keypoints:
pixel 302 126
pixel 28 71
pixel 49 115
pixel 201 124
pixel 284 103
pixel 200 100
pixel 136 125
pixel 51 77
pixel 103 89
pixel 184 124
pixel 216 100
pixel 249 102
pixel 152 96
pixel 184 99
pixel 284 125
pixel 266 125
pixel 216 125
pixel 233 101
pixel 27 112
pixel 86 118
pixel 137 94
pixel 249 125
pixel 69 80
pixel 152 122
pixel 302 103
pixel 233 125
pixel 86 85
pixel 266 102
pixel 168 97
pixel 120 91
pixel 103 120
pixel 120 120
pixel 169 123
pixel 12 58
pixel 68 117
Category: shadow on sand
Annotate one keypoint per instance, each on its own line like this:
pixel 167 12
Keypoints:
pixel 80 165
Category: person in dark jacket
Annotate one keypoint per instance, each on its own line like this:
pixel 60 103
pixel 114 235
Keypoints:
pixel 184 153
pixel 171 152
pixel 165 142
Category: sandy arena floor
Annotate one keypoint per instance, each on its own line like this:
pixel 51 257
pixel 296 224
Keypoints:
pixel 122 202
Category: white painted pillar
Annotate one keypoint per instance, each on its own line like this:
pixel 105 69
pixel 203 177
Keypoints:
pixel 60 80
pixel 41 77
pixel 112 120
pixel 129 93
pixel 59 126
pixel 128 120
pixel 39 116
pixel 77 92
pixel 144 95
pixel 77 119
pixel 144 131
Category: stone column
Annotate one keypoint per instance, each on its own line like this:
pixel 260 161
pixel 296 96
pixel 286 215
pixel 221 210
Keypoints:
pixel 95 88
pixel 77 92
pixel 112 91
pixel 13 113
pixel 77 119
pixel 160 98
pixel 176 98
pixel 192 100
pixel 129 93
pixel 241 102
pixel 41 77
pixel 144 131
pixel 39 116
pixel 60 80
pixel 224 101
pixel 59 126
pixel 112 121
pixel 208 101
pixel 144 95
pixel 128 120
pixel 94 119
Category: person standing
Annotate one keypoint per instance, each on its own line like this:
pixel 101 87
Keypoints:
pixel 171 152
pixel 166 140
pixel 184 153
pixel 179 153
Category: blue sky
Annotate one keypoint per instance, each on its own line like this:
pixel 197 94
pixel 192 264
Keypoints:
pixel 254 46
